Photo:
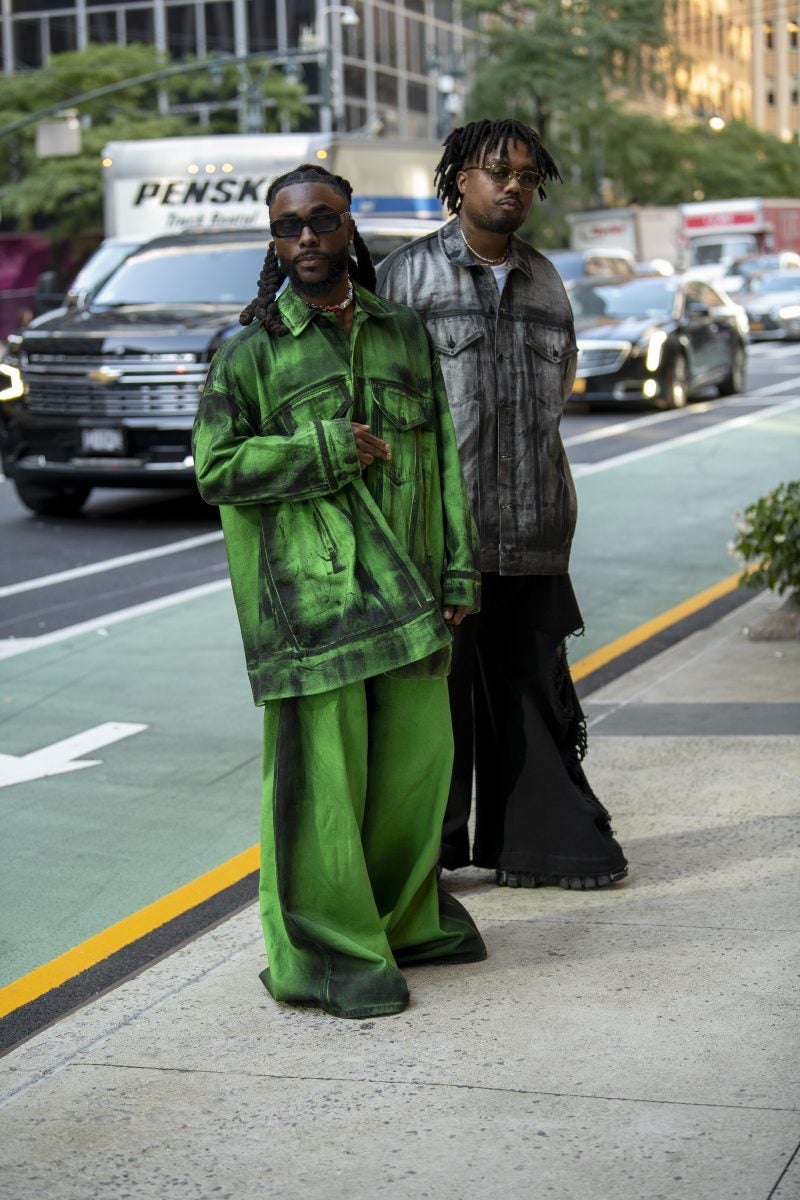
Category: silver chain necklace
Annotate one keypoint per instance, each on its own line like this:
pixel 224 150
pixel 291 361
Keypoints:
pixel 490 262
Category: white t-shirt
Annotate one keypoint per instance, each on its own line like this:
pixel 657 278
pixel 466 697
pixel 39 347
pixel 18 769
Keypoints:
pixel 501 274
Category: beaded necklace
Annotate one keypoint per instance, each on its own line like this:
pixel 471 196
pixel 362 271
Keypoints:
pixel 490 262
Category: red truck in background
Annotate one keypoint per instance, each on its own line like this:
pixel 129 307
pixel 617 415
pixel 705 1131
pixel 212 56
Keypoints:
pixel 714 233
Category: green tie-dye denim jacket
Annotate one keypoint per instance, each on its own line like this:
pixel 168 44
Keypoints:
pixel 337 574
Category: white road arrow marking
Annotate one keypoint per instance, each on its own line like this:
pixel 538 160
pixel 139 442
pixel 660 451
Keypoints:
pixel 60 757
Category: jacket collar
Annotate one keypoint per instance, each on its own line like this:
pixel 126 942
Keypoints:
pixel 296 314
pixel 453 248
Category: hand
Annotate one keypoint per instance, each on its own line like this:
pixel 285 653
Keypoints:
pixel 368 448
pixel 454 615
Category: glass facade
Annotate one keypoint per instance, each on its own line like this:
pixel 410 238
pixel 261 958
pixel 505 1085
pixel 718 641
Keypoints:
pixel 380 75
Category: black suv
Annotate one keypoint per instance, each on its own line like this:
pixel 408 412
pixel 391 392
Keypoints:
pixel 105 394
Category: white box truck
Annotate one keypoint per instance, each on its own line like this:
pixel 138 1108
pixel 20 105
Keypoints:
pixel 645 231
pixel 163 185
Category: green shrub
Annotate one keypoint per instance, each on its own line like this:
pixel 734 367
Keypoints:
pixel 767 542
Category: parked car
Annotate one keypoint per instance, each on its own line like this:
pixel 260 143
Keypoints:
pixel 655 340
pixel 103 393
pixel 773 306
pixel 745 272
pixel 576 264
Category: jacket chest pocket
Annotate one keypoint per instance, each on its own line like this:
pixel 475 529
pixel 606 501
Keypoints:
pixel 552 355
pixel 460 342
pixel 404 417
pixel 323 401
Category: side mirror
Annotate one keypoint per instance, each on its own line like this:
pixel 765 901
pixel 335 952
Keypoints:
pixel 46 294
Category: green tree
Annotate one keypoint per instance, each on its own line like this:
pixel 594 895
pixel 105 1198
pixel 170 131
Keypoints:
pixel 562 66
pixel 64 194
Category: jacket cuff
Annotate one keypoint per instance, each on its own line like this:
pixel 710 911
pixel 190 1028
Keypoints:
pixel 462 587
pixel 338 448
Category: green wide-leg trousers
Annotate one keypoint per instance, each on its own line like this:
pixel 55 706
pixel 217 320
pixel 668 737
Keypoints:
pixel 355 786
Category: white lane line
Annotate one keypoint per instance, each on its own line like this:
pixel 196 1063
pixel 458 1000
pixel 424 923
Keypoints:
pixel 606 431
pixel 109 564
pixel 582 469
pixel 10 647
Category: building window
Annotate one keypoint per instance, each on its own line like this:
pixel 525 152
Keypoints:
pixel 181 31
pixel 768 36
pixel 262 23
pixel 28 43
pixel 102 27
pixel 63 34
pixel 219 28
pixel 386 89
pixel 771 99
pixel 794 34
pixel 139 26
pixel 355 81
pixel 418 97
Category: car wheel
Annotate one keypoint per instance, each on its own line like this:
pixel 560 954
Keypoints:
pixel 734 380
pixel 52 501
pixel 676 384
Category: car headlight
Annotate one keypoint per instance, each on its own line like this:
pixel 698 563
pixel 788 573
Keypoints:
pixel 789 314
pixel 653 348
pixel 11 385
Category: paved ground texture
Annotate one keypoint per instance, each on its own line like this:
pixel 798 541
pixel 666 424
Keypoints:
pixel 638 1043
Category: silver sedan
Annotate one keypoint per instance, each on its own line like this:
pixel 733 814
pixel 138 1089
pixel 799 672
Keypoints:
pixel 773 306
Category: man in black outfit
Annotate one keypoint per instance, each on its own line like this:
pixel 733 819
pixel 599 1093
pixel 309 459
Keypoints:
pixel 502 325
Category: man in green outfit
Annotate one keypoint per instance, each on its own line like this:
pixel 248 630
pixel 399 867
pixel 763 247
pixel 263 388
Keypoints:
pixel 324 435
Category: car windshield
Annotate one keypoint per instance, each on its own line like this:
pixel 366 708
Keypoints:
pixel 105 259
pixel 186 275
pixel 651 297
pixel 786 281
pixel 708 253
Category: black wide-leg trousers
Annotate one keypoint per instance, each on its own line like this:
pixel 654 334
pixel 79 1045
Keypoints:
pixel 519 727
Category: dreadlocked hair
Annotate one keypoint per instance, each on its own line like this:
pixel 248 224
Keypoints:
pixel 470 145
pixel 264 308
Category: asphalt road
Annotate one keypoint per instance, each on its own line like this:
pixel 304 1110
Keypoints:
pixel 157 543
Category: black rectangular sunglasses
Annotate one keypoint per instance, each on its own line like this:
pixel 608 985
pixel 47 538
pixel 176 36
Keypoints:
pixel 321 222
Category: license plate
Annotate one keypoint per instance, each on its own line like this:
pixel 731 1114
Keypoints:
pixel 103 441
pixel 756 324
pixel 578 387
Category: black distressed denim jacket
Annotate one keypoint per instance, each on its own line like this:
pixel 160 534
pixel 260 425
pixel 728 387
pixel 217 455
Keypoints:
pixel 508 365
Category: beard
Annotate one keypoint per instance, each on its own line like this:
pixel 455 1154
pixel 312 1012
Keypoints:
pixel 338 265
pixel 498 222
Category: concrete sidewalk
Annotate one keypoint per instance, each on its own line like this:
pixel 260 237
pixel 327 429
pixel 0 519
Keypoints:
pixel 638 1043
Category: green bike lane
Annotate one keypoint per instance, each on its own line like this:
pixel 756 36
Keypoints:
pixel 86 849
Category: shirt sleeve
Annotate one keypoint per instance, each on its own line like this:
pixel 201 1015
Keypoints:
pixel 236 464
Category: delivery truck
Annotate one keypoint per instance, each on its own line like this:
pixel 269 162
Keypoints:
pixel 646 231
pixel 164 185
pixel 715 233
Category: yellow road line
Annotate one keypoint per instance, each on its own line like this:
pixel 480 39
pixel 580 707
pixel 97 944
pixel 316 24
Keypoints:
pixel 636 637
pixel 95 949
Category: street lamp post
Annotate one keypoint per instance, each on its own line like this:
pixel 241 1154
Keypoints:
pixel 332 108
pixel 449 104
